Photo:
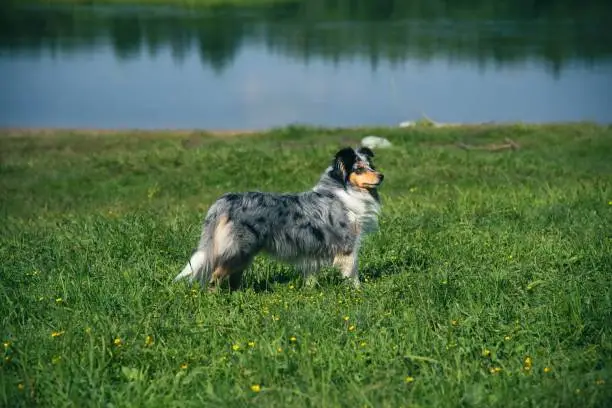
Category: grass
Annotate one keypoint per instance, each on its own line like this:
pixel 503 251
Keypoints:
pixel 488 284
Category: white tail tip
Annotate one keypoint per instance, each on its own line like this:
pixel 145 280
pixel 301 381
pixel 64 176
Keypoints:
pixel 192 268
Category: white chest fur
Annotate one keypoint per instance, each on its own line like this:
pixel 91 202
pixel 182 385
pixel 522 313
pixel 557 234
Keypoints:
pixel 362 209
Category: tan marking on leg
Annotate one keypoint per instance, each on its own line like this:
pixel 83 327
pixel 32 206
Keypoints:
pixel 348 265
pixel 233 273
pixel 219 274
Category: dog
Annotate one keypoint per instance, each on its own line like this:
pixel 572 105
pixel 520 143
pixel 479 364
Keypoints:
pixel 312 229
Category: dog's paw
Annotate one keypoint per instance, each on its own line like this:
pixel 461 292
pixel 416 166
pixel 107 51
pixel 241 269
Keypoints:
pixel 311 281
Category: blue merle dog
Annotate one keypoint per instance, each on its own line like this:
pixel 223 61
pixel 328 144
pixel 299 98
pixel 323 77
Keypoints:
pixel 312 229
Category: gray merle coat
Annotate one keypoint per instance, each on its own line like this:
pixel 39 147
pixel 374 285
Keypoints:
pixel 319 227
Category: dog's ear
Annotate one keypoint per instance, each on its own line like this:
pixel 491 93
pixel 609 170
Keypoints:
pixel 366 151
pixel 343 162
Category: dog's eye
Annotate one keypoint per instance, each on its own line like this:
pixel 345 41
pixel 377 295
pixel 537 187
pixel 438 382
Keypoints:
pixel 359 170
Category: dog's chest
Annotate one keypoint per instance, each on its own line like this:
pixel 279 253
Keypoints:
pixel 361 210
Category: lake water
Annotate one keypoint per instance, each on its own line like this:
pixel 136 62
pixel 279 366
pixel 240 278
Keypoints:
pixel 319 62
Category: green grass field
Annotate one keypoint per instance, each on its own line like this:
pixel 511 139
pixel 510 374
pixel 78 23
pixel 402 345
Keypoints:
pixel 488 284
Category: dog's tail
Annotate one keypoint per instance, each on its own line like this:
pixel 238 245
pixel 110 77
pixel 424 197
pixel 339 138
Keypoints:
pixel 202 263
pixel 198 267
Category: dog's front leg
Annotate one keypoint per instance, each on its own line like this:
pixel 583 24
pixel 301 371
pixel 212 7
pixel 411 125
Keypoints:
pixel 309 272
pixel 348 265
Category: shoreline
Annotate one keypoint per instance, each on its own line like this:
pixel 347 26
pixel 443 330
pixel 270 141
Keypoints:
pixel 13 131
pixel 27 131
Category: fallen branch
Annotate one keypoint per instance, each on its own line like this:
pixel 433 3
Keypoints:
pixel 493 147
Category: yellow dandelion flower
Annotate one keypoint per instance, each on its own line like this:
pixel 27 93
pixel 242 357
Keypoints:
pixel 118 342
pixel 547 369
pixel 184 366
pixel 291 287
pixel 57 333
pixel 88 330
pixel 600 381
pixel 7 359
pixel 59 300
pixel 236 347
pixel 610 202
pixel 351 327
pixel 454 322
pixel 279 350
pixel 409 379
pixel 363 344
pixel 507 338
pixel 495 370
pixel 293 339
pixel 486 353
pixel 346 318
pixel 528 363
pixel 251 344
pixel 20 386
pixel 255 387
pixel 275 318
pixel 148 341
pixel 7 344
pixel 56 359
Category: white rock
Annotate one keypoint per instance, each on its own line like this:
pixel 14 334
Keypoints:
pixel 408 123
pixel 375 142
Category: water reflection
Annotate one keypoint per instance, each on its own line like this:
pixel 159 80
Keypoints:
pixel 555 32
pixel 330 62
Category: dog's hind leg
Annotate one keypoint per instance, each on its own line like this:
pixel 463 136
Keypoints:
pixel 236 243
pixel 235 249
pixel 232 270
pixel 235 280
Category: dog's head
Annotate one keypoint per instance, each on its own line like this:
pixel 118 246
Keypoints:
pixel 354 167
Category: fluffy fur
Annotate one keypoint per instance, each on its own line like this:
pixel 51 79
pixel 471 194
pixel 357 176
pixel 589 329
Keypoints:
pixel 319 227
